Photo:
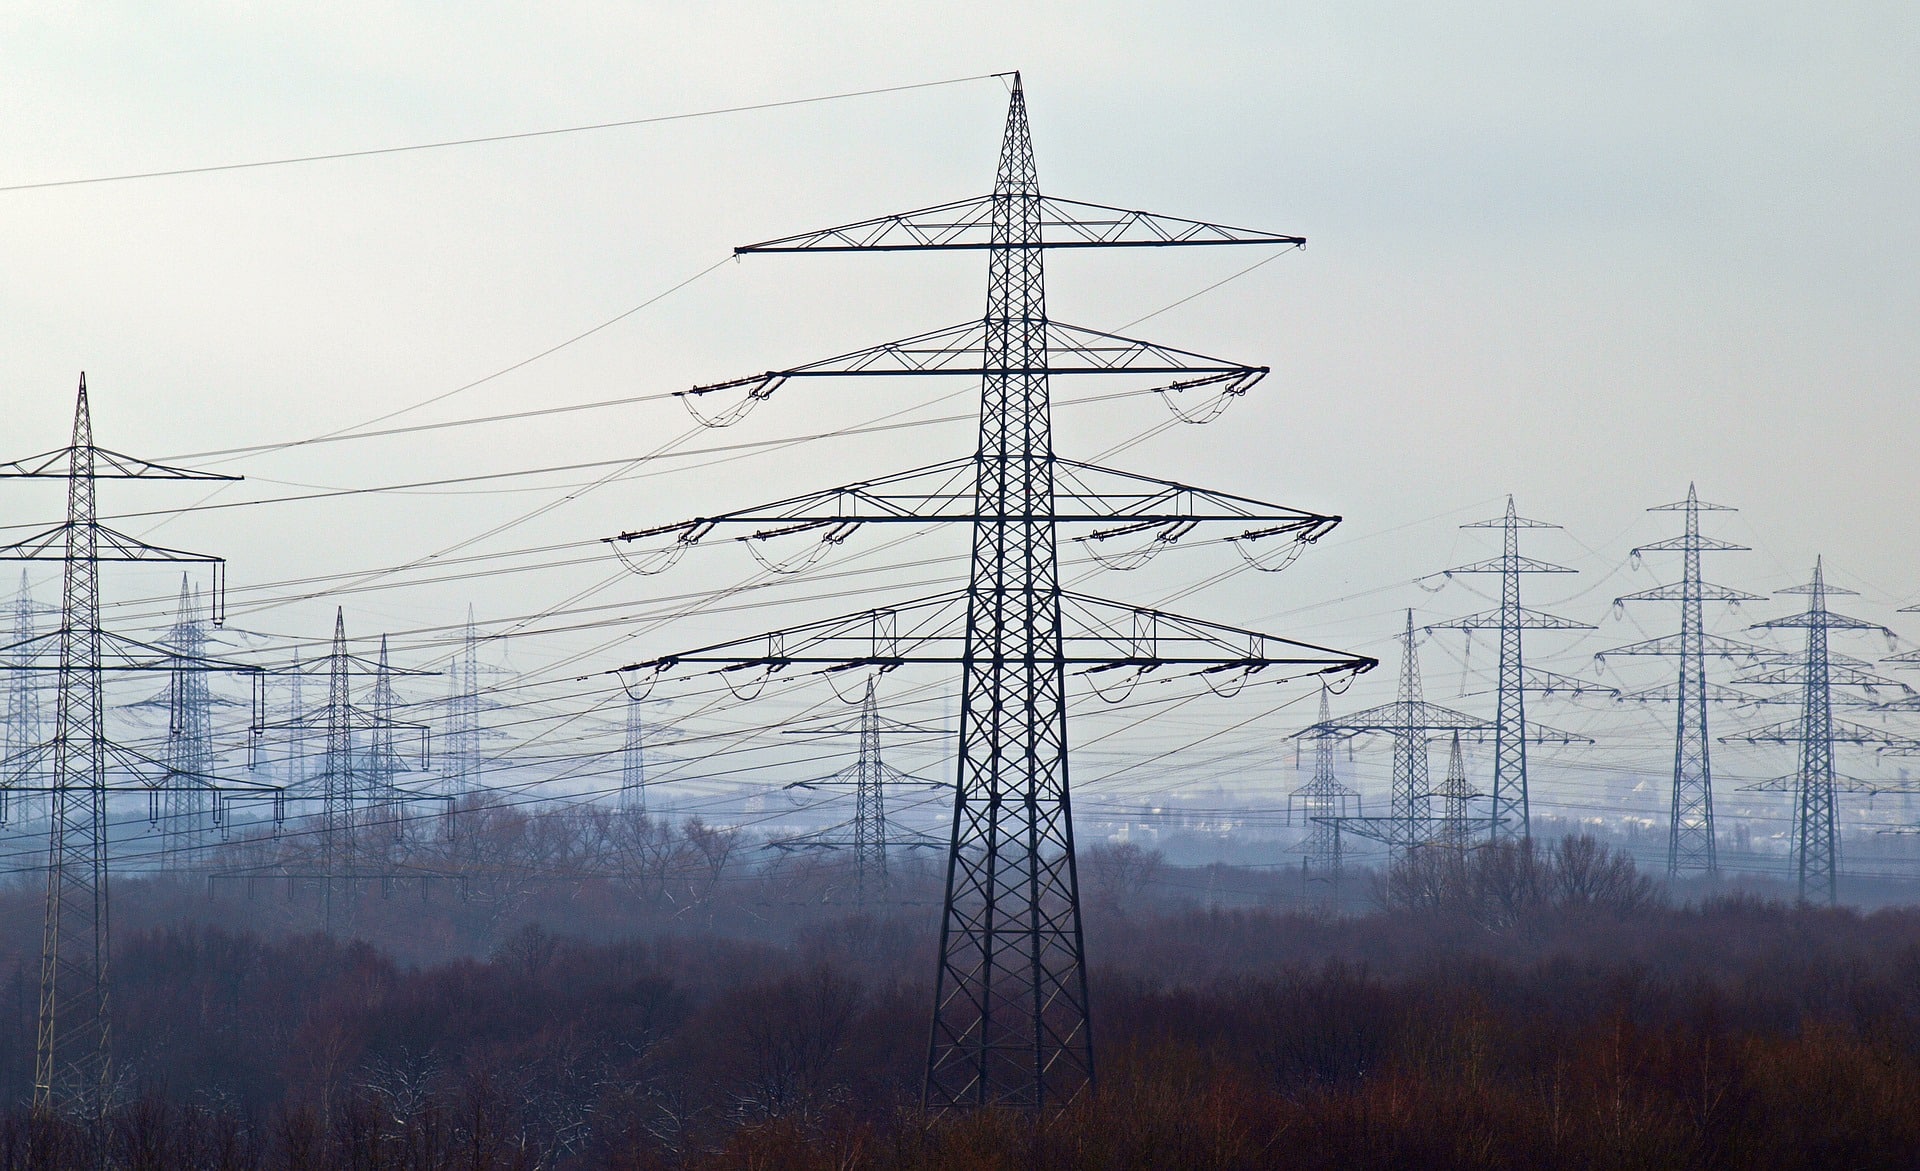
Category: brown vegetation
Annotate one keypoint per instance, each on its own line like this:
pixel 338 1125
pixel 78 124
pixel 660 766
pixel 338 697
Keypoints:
pixel 1520 1007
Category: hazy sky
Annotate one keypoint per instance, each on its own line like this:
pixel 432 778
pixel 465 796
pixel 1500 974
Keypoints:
pixel 1582 254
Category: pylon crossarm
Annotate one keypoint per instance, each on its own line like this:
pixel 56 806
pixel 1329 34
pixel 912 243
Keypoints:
pixel 1794 732
pixel 1398 717
pixel 1711 645
pixel 1678 592
pixel 51 545
pixel 1102 634
pixel 1508 565
pixel 1839 673
pixel 1062 223
pixel 105 465
pixel 1529 620
pixel 945 493
pixel 1685 544
pixel 119 653
pixel 1715 692
pixel 1792 782
pixel 147 775
pixel 1538 679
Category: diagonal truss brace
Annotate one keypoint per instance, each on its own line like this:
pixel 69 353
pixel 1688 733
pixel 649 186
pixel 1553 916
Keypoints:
pixel 1062 223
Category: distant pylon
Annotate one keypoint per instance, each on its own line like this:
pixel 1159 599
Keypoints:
pixel 1412 722
pixel 339 789
pixel 1816 832
pixel 23 766
pixel 868 836
pixel 183 813
pixel 1455 830
pixel 1323 802
pixel 1691 844
pixel 1511 814
pixel 463 715
pixel 633 761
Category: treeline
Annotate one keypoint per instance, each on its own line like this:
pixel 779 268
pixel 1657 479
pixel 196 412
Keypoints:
pixel 1512 1007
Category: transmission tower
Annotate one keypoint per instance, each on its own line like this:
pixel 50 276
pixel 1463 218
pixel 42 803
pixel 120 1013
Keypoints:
pixel 463 763
pixel 633 761
pixel 1325 803
pixel 1816 831
pixel 1510 811
pixel 1412 722
pixel 361 800
pixel 1457 826
pixel 72 1062
pixel 868 835
pixel 183 816
pixel 23 767
pixel 1690 835
pixel 1010 1018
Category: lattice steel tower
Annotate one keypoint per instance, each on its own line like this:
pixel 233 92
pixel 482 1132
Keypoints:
pixel 1324 802
pixel 633 760
pixel 1411 722
pixel 1690 834
pixel 463 763
pixel 72 1064
pixel 1511 817
pixel 24 765
pixel 183 807
pixel 1010 1022
pixel 1816 831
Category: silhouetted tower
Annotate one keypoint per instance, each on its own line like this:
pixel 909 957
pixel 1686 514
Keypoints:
pixel 24 766
pixel 1816 832
pixel 463 716
pixel 384 765
pixel 183 813
pixel 294 774
pixel 868 836
pixel 1324 802
pixel 339 786
pixel 1010 1020
pixel 1411 722
pixel 1690 834
pixel 72 1063
pixel 633 760
pixel 1510 810
pixel 1456 827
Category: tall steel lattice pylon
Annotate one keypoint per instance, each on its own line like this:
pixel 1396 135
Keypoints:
pixel 1010 1022
pixel 1511 814
pixel 1816 782
pixel 463 764
pixel 183 807
pixel 1411 722
pixel 73 1044
pixel 1691 843
pixel 868 836
pixel 633 760
pixel 1324 802
pixel 24 765
pixel 1455 831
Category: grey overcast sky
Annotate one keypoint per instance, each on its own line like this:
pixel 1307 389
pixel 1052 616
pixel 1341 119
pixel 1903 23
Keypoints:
pixel 1579 253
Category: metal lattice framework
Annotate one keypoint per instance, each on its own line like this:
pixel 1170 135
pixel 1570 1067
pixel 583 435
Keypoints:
pixel 1011 1020
pixel 1324 802
pixel 1511 817
pixel 23 767
pixel 1816 783
pixel 1690 833
pixel 1412 723
pixel 73 1042
pixel 868 835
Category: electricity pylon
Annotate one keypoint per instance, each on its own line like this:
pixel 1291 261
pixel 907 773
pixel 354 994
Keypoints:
pixel 1510 809
pixel 633 761
pixel 1412 722
pixel 1325 803
pixel 464 760
pixel 1690 834
pixel 1816 831
pixel 1456 827
pixel 868 836
pixel 361 799
pixel 1010 1019
pixel 73 1046
pixel 23 767
pixel 183 811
